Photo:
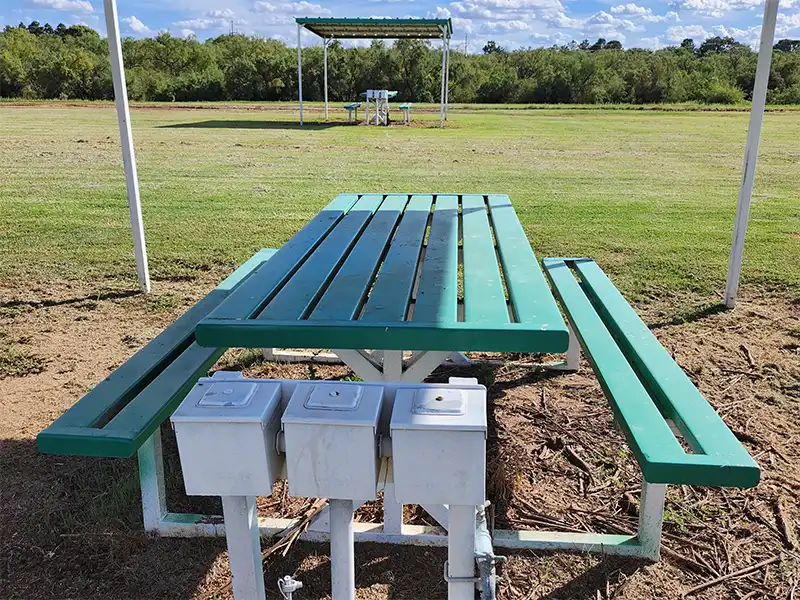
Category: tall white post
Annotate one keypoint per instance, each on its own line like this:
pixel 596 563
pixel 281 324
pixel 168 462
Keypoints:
pixel 343 565
pixel 126 140
pixel 300 72
pixel 447 81
pixel 325 70
pixel 751 151
pixel 444 66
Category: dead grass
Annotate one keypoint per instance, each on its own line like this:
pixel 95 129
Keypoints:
pixel 69 526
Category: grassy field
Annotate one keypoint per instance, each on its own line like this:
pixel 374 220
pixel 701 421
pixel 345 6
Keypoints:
pixel 650 195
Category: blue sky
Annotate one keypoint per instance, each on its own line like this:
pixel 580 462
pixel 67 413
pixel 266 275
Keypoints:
pixel 512 23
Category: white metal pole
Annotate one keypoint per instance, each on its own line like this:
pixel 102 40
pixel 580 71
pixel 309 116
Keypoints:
pixel 343 563
pixel 325 70
pixel 444 61
pixel 300 72
pixel 461 552
pixel 244 547
pixel 447 81
pixel 126 140
pixel 751 151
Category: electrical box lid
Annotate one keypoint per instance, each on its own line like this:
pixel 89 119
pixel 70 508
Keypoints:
pixel 440 408
pixel 334 397
pixel 334 403
pixel 438 401
pixel 233 400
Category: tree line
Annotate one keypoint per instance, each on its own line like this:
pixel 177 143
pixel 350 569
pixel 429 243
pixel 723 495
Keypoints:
pixel 40 61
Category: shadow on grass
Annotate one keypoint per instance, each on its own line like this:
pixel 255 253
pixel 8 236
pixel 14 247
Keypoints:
pixel 248 124
pixel 692 315
pixel 70 527
pixel 65 301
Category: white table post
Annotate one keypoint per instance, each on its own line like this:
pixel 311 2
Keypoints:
pixel 126 140
pixel 244 547
pixel 461 552
pixel 343 569
pixel 751 151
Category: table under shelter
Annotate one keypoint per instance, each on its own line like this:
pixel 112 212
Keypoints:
pixel 330 29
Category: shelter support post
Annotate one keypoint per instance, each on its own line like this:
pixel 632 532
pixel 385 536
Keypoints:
pixel 444 67
pixel 751 151
pixel 447 81
pixel 126 140
pixel 325 43
pixel 300 72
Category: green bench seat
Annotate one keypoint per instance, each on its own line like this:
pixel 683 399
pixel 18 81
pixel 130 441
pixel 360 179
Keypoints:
pixel 353 105
pixel 406 106
pixel 646 388
pixel 118 415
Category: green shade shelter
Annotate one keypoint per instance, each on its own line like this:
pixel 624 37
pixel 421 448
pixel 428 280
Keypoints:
pixel 330 29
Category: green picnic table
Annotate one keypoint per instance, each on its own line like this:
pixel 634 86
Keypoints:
pixel 427 273
pixel 374 276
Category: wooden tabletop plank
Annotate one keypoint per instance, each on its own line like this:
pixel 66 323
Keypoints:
pixel 531 298
pixel 391 293
pixel 484 297
pixel 250 297
pixel 345 294
pixel 298 294
pixel 437 297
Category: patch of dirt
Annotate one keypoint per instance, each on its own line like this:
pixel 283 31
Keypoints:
pixel 70 526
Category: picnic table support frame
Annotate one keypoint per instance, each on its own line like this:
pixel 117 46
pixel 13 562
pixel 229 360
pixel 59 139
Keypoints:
pixel 751 152
pixel 158 520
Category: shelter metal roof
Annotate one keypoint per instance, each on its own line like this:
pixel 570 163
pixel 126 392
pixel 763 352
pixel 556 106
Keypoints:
pixel 376 28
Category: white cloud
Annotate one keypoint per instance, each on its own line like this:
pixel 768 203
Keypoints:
pixel 225 13
pixel 715 8
pixel 307 9
pixel 80 6
pixel 603 22
pixel 678 33
pixel 136 26
pixel 631 10
pixel 213 19
pixel 186 33
pixel 653 43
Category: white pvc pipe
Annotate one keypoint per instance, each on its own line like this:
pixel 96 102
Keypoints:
pixel 126 141
pixel 751 151
pixel 461 552
pixel 325 61
pixel 300 72
pixel 444 62
pixel 343 563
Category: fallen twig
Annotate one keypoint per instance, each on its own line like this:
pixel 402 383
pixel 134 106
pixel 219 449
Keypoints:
pixel 785 525
pixel 723 578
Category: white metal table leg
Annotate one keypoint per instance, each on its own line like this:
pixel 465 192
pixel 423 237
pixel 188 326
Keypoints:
pixel 151 481
pixel 573 351
pixel 651 516
pixel 244 547
pixel 461 552
pixel 343 564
